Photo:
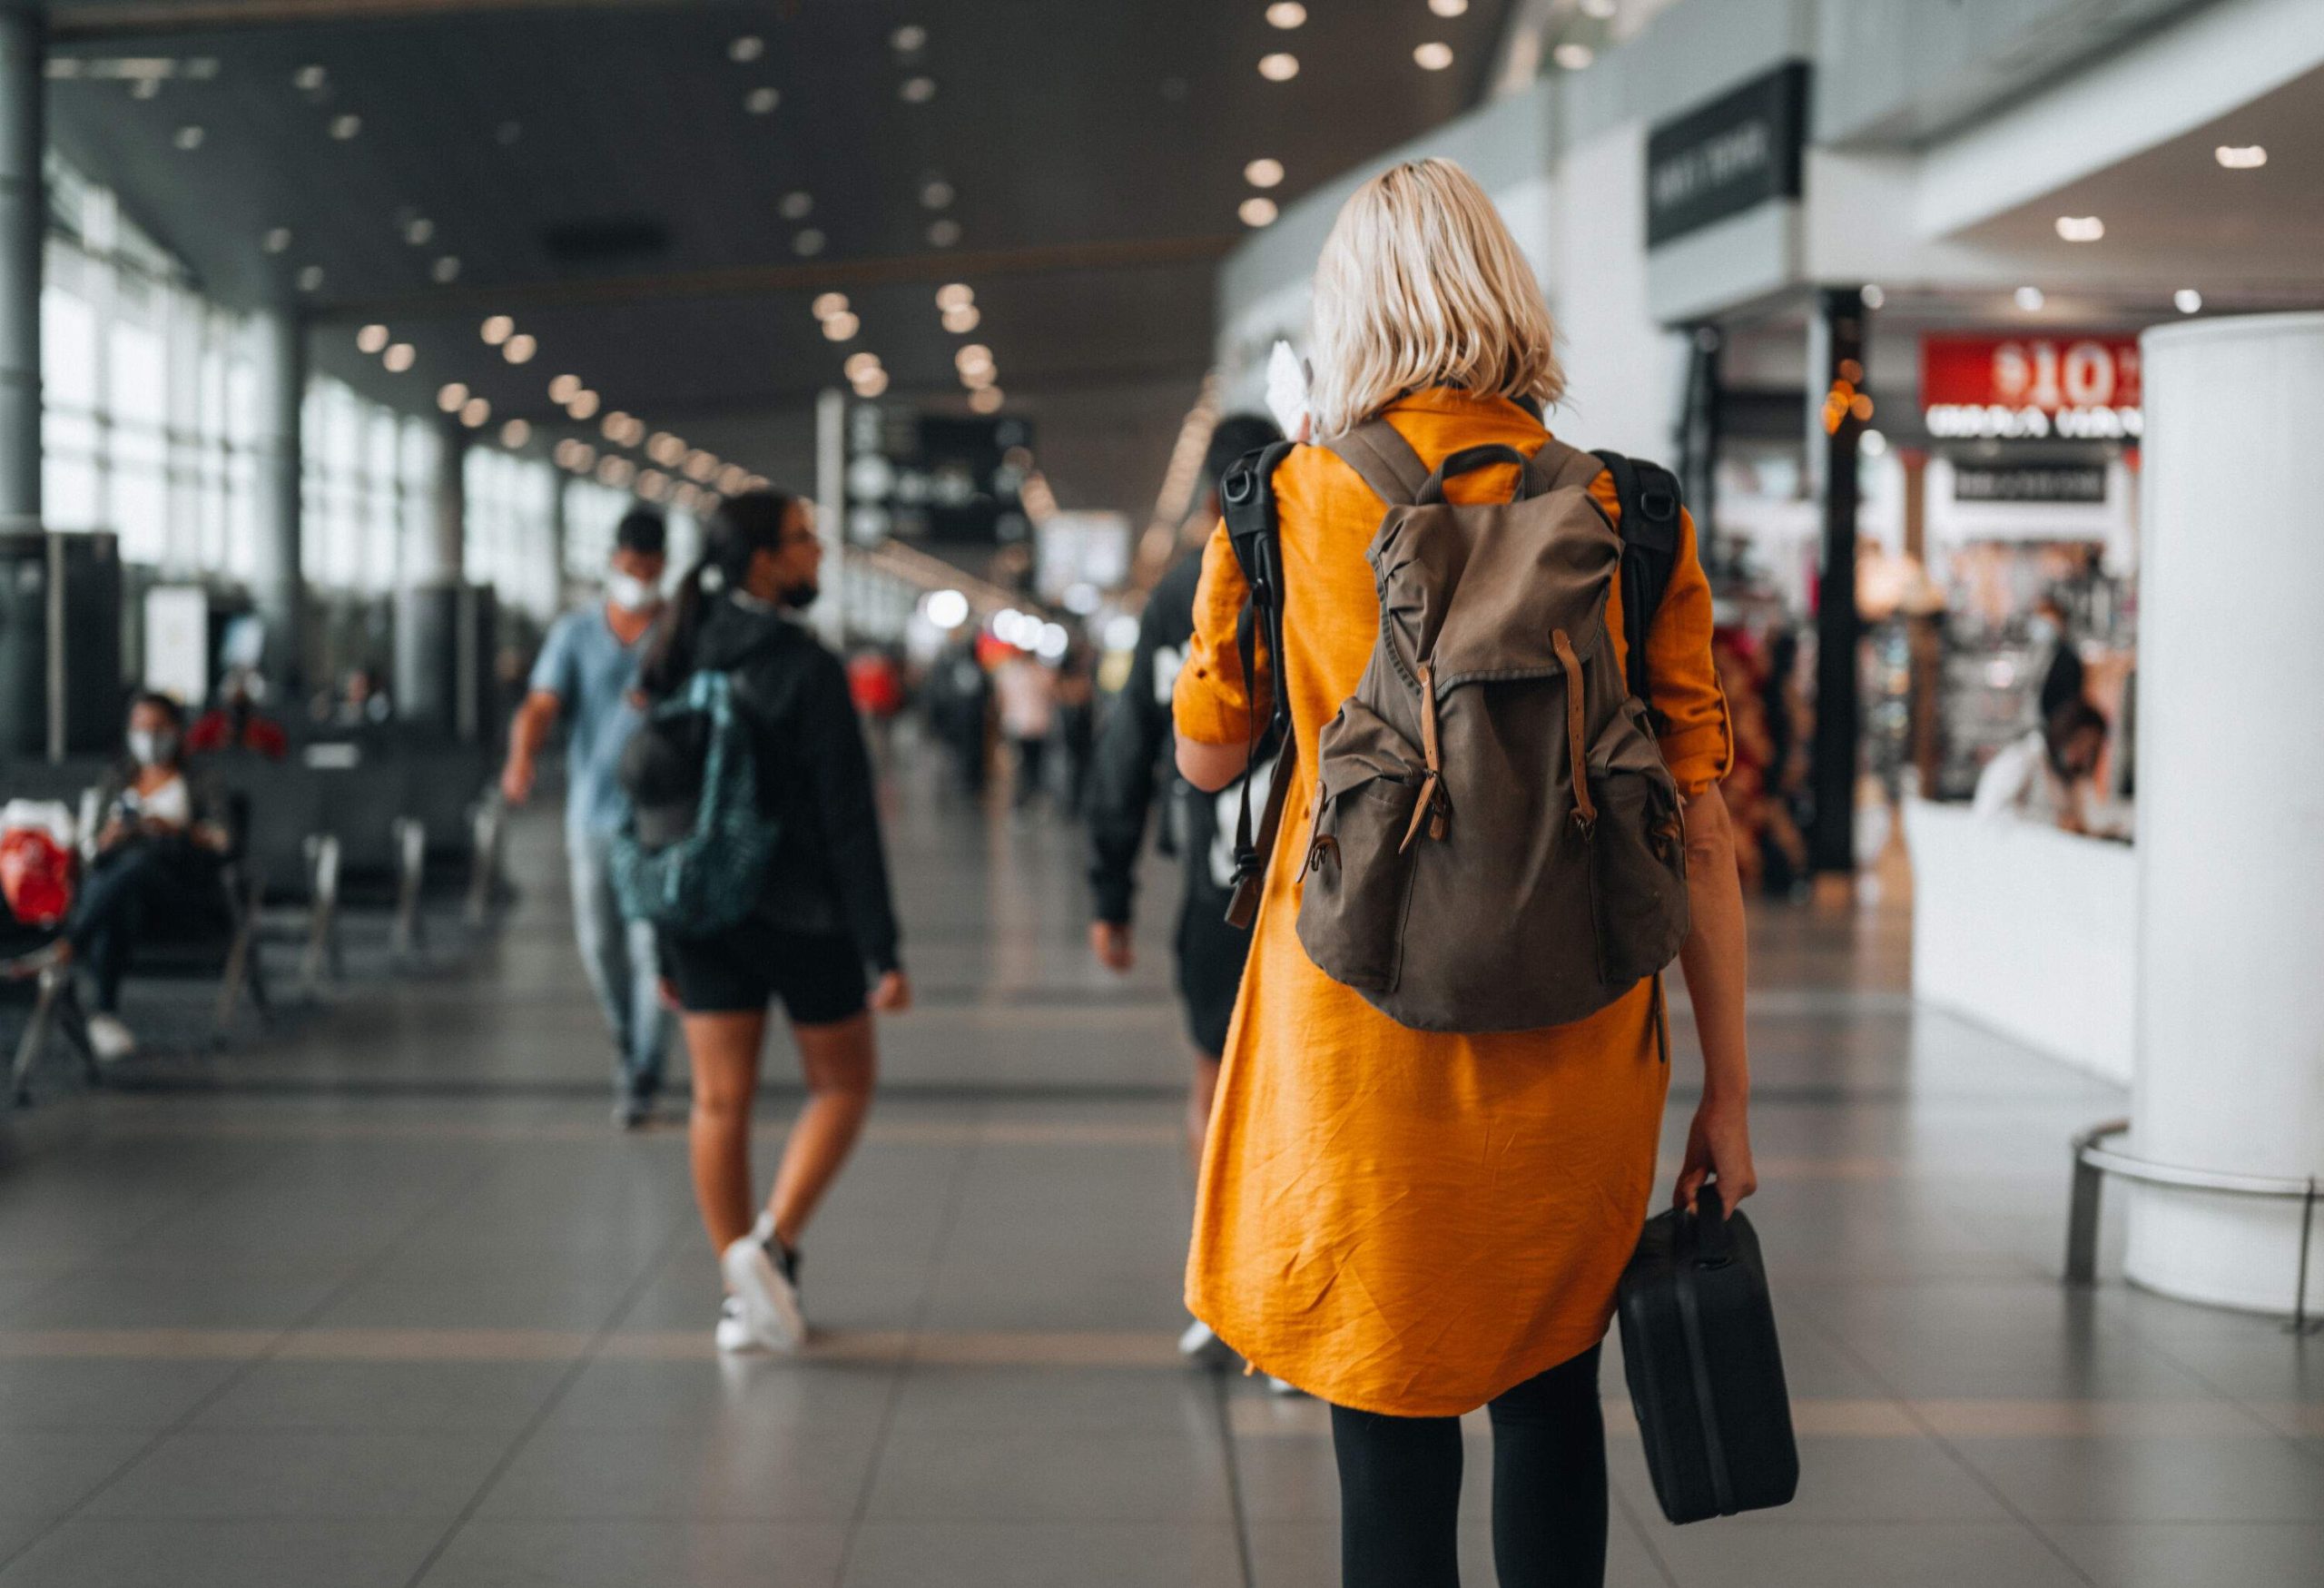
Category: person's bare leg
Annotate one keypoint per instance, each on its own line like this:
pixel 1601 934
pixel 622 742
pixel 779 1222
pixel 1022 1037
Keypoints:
pixel 722 1051
pixel 841 1065
pixel 1200 1096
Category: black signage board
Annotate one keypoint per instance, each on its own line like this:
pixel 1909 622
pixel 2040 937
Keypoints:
pixel 2029 482
pixel 1733 154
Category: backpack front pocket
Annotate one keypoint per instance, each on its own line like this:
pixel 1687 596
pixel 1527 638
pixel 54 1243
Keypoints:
pixel 1358 861
pixel 1638 852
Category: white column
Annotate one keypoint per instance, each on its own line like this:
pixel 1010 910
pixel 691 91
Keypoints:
pixel 280 362
pixel 2230 800
pixel 830 611
pixel 24 221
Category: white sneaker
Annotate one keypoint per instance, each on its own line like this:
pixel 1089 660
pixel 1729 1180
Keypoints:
pixel 770 1300
pixel 109 1040
pixel 735 1336
pixel 1203 1348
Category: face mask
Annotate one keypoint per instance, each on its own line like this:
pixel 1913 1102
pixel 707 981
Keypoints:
pixel 151 749
pixel 630 593
pixel 801 597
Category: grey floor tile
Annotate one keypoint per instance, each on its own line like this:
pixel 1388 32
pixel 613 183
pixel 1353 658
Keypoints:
pixel 1861 1554
pixel 1905 1478
pixel 385 1397
pixel 117 1552
pixel 747 1470
pixel 1168 1400
pixel 2184 1554
pixel 45 1470
pixel 633 1553
pixel 927 1475
pixel 271 1473
pixel 988 1554
pixel 50 1392
pixel 2258 1479
pixel 1306 1554
pixel 618 1393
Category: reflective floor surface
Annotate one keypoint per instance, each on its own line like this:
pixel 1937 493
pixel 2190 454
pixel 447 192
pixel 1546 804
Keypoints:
pixel 381 1298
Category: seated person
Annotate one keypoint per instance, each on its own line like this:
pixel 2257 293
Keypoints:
pixel 160 841
pixel 235 723
pixel 2043 776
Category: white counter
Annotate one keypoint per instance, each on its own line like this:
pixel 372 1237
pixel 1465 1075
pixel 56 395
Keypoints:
pixel 2028 931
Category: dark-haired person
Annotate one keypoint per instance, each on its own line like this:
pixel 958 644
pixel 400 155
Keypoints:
pixel 160 835
pixel 587 675
pixel 822 916
pixel 1132 745
pixel 2042 777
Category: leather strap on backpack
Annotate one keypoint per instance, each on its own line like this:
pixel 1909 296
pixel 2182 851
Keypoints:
pixel 1246 498
pixel 1649 495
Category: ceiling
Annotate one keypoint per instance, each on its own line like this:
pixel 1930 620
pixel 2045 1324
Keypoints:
pixel 597 173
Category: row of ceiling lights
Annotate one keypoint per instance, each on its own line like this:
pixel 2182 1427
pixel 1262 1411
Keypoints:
pixel 2093 228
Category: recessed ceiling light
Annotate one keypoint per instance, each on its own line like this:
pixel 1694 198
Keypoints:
pixel 796 206
pixel 917 90
pixel 746 49
pixel 1280 67
pixel 734 479
pixel 2030 299
pixel 859 363
pixel 1257 210
pixel 954 295
pixel 519 349
pixel 399 357
pixel 962 321
pixel 450 395
pixel 2080 228
pixel 516 433
pixel 616 426
pixel 344 127
pixel 982 376
pixel 2240 156
pixel 1287 13
pixel 309 79
pixel 910 38
pixel 1872 296
pixel 1574 56
pixel 1601 9
pixel 1434 55
pixel 474 412
pixel 827 304
pixel 372 339
pixel 564 390
pixel 584 404
pixel 496 330
pixel 944 233
pixel 1263 172
pixel 276 241
pixel 808 242
pixel 760 101
pixel 1448 7
pixel 842 327
pixel 2188 301
pixel 974 356
pixel 989 401
pixel 310 279
pixel 871 383
pixel 419 230
pixel 653 484
pixel 936 194
pixel 145 88
pixel 446 270
pixel 188 138
pixel 701 465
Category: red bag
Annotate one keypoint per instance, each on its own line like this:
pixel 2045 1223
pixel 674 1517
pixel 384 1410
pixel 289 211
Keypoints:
pixel 36 861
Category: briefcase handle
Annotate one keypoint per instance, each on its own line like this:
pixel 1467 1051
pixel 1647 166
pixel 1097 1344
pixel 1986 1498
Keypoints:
pixel 1714 1245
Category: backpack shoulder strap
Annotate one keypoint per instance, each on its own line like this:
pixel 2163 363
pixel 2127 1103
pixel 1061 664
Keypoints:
pixel 1246 498
pixel 1649 495
pixel 1556 466
pixel 1384 460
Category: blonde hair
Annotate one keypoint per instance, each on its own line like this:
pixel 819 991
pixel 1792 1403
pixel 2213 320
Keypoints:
pixel 1421 284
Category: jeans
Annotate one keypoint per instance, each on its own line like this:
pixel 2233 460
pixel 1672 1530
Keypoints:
pixel 128 889
pixel 619 957
pixel 1400 1489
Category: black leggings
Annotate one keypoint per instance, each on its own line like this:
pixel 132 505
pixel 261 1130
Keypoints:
pixel 1400 1489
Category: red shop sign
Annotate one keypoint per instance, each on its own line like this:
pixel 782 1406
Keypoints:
pixel 2051 373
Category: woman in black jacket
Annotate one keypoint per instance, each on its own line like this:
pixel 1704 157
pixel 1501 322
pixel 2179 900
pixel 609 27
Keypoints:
pixel 822 916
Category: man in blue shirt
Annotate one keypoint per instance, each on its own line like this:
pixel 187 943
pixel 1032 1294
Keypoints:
pixel 587 674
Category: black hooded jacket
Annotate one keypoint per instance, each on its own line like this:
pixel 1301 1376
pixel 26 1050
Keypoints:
pixel 814 778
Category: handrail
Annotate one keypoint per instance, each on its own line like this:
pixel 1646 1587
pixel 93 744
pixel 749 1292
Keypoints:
pixel 2093 1162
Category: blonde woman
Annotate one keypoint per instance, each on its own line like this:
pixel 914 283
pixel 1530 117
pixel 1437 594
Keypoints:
pixel 1411 1224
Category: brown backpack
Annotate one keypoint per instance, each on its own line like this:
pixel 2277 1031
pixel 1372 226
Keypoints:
pixel 1497 844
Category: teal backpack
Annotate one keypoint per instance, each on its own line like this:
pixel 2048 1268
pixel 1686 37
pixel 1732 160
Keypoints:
pixel 692 857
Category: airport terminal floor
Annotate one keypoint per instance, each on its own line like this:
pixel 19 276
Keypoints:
pixel 381 1298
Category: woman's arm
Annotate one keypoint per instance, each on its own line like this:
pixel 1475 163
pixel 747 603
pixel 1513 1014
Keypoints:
pixel 1211 767
pixel 1715 961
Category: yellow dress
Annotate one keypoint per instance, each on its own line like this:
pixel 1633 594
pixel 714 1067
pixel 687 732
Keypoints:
pixel 1403 1221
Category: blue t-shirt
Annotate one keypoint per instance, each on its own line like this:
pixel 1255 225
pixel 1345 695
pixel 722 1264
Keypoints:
pixel 584 664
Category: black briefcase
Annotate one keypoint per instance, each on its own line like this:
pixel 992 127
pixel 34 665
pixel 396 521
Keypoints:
pixel 1698 1348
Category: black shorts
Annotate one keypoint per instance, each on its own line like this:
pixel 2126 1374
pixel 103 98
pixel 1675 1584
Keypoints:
pixel 1210 968
pixel 818 975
